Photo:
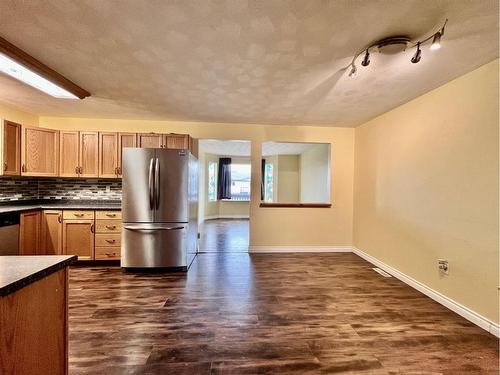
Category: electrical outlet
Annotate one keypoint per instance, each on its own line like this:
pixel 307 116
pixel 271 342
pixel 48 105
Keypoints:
pixel 443 266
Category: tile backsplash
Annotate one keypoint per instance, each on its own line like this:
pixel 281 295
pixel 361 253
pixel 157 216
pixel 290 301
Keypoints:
pixel 22 188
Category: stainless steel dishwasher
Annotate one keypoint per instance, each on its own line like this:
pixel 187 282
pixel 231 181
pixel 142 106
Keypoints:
pixel 9 234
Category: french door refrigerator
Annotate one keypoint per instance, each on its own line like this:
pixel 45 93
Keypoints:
pixel 159 208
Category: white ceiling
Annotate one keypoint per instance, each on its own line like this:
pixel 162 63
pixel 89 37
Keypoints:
pixel 251 61
pixel 225 148
pixel 243 148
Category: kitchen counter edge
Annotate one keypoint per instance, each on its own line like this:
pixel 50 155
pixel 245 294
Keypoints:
pixel 13 279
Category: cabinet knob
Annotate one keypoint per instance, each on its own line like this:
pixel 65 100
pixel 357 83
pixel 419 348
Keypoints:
pixel 110 254
pixel 111 215
pixel 92 228
pixel 23 168
pixel 111 227
pixel 78 215
pixel 59 218
pixel 111 241
pixel 76 170
pixel 4 166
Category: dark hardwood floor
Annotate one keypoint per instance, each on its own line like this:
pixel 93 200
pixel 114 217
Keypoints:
pixel 224 235
pixel 267 314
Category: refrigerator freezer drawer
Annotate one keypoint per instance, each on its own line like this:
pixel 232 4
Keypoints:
pixel 154 245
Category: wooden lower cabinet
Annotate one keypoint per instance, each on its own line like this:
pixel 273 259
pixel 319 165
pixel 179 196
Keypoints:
pixel 51 233
pixel 108 235
pixel 34 328
pixel 29 233
pixel 78 238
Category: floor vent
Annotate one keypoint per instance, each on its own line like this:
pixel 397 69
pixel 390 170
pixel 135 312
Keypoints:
pixel 381 272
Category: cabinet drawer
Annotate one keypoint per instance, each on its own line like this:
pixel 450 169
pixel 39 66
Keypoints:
pixel 78 215
pixel 108 215
pixel 104 240
pixel 108 226
pixel 107 253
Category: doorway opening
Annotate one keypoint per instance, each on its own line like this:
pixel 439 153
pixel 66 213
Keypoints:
pixel 224 195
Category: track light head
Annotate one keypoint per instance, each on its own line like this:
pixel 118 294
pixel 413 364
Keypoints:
pixel 418 54
pixel 366 59
pixel 436 41
pixel 353 70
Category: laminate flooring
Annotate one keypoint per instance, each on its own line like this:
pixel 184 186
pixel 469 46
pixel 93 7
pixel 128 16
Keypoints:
pixel 267 314
pixel 224 235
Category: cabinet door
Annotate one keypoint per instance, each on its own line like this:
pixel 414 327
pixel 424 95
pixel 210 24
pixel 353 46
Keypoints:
pixel 78 238
pixel 108 154
pixel 68 156
pixel 29 233
pixel 149 140
pixel 51 229
pixel 177 141
pixel 125 140
pixel 89 154
pixel 39 152
pixel 11 145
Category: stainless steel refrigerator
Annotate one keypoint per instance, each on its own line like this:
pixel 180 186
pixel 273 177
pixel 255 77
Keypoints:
pixel 159 208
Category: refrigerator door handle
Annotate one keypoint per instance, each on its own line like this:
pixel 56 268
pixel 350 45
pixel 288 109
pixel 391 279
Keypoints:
pixel 157 183
pixel 151 184
pixel 142 228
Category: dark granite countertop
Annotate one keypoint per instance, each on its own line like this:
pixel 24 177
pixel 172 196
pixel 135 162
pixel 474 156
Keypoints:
pixel 18 271
pixel 59 204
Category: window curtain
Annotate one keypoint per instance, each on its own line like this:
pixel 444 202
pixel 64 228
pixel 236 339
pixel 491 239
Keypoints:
pixel 262 179
pixel 224 179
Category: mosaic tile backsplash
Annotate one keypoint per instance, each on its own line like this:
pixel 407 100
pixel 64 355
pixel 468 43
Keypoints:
pixel 21 188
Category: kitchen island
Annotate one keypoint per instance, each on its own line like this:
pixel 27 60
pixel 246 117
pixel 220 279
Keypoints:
pixel 34 314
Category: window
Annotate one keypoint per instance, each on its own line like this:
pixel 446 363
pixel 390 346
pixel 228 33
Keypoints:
pixel 268 183
pixel 240 182
pixel 212 181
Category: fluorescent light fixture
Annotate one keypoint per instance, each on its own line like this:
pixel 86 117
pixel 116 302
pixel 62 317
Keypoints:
pixel 21 73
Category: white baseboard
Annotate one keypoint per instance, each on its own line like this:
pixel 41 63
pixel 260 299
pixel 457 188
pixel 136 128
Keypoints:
pixel 454 306
pixel 212 217
pixel 299 249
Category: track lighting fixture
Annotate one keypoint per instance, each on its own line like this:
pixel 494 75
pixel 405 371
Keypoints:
pixel 366 59
pixel 397 44
pixel 436 41
pixel 416 57
pixel 353 70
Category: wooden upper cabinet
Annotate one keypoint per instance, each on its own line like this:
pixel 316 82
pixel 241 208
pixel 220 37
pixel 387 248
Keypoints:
pixel 177 141
pixel 29 233
pixel 150 140
pixel 125 140
pixel 10 156
pixel 68 155
pixel 108 154
pixel 89 154
pixel 51 230
pixel 78 238
pixel 39 151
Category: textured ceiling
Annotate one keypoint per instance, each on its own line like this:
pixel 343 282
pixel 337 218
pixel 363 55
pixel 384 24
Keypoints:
pixel 250 61
pixel 243 148
pixel 227 148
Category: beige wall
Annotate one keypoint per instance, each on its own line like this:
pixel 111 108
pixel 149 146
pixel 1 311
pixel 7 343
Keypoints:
pixel 16 115
pixel 314 174
pixel 288 175
pixel 268 226
pixel 426 187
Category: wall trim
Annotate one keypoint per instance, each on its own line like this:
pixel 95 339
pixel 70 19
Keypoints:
pixel 299 249
pixel 212 217
pixel 451 304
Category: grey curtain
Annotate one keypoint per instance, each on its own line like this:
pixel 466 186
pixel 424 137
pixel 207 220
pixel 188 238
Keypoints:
pixel 224 179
